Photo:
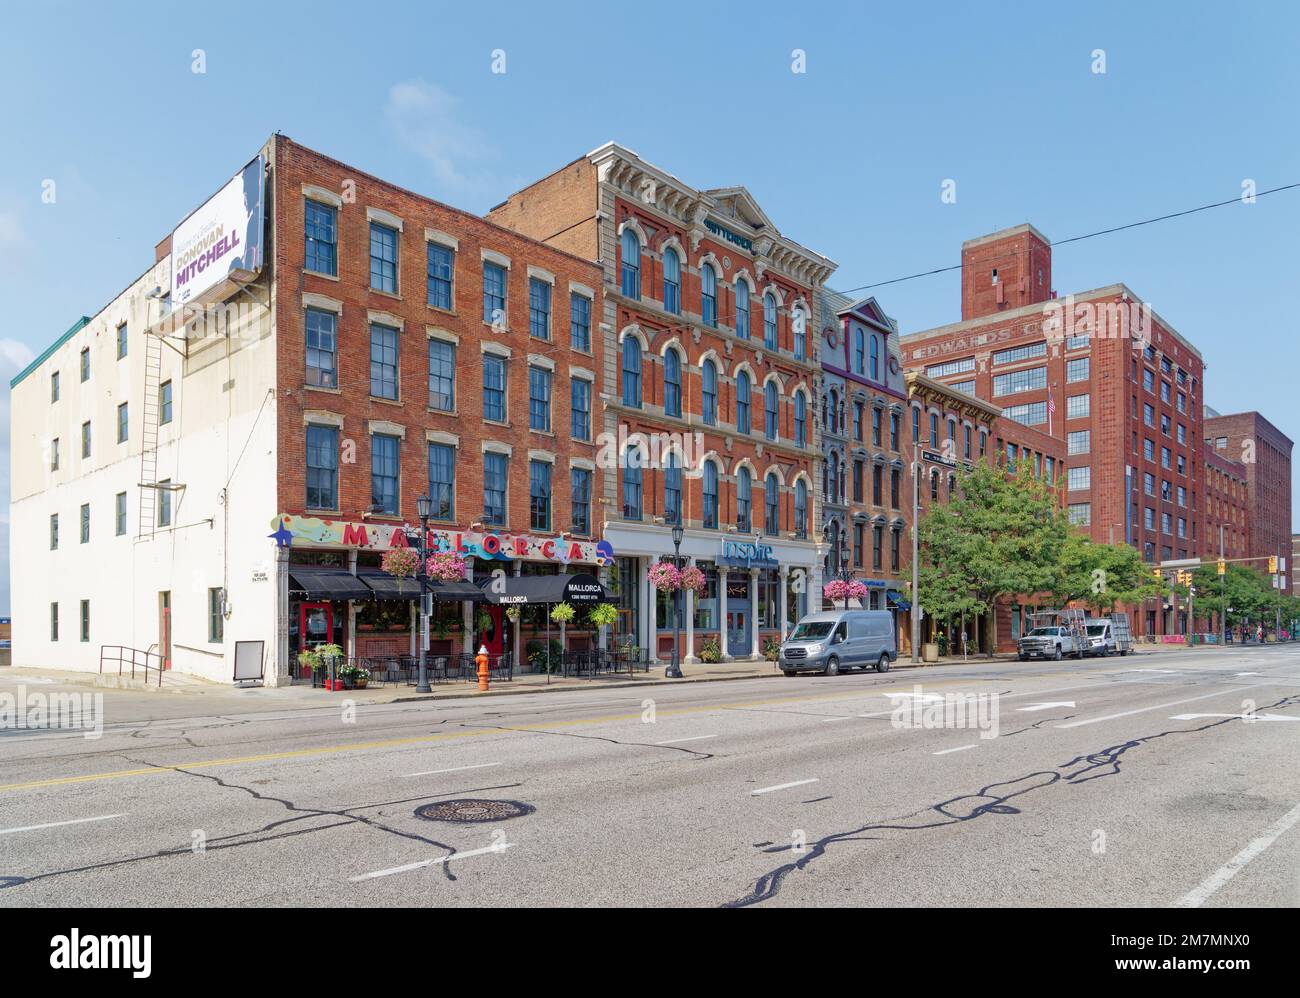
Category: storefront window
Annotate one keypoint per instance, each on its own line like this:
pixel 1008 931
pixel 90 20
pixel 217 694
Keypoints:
pixel 706 604
pixel 769 594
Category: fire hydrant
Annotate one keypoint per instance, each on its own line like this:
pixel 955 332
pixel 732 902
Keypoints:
pixel 482 659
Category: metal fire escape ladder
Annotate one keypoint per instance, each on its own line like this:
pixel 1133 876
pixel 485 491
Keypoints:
pixel 150 410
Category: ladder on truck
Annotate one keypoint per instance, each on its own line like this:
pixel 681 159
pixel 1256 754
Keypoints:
pixel 151 411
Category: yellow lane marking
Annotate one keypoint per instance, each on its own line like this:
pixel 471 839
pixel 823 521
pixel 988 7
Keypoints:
pixel 424 740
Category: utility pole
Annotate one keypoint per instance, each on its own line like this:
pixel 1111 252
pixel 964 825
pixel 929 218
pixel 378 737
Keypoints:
pixel 1223 592
pixel 916 568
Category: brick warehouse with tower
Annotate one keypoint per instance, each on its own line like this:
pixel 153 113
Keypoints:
pixel 1098 371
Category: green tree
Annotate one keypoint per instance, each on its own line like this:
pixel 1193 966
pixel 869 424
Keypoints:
pixel 1101 575
pixel 998 535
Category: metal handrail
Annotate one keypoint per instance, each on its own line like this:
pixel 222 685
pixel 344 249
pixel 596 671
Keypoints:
pixel 135 658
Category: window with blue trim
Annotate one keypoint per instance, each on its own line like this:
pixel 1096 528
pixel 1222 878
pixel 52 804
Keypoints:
pixel 742 402
pixel 800 420
pixel 632 484
pixel 710 520
pixel 539 495
pixel 801 508
pixel 494 488
pixel 580 322
pixel 631 270
pixel 383 258
pixel 672 282
pixel 320 233
pixel 442 263
pixel 709 295
pixel 770 410
pixel 769 321
pixel 742 310
pixel 772 504
pixel 384 467
pixel 632 372
pixel 580 488
pixel 494 293
pixel 580 408
pixel 539 309
pixel 672 383
pixel 494 388
pixel 744 489
pixel 672 488
pixel 383 361
pixel 539 399
pixel 442 376
pixel 709 393
pixel 442 481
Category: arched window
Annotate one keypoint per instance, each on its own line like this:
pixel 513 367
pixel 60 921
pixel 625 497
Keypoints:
pixel 742 402
pixel 831 410
pixel 742 310
pixel 834 492
pixel 672 281
pixel 672 488
pixel 934 485
pixel 632 484
pixel 769 321
pixel 632 372
pixel 859 352
pixel 800 420
pixel 769 410
pixel 875 357
pixel 710 496
pixel 772 504
pixel 709 295
pixel 631 285
pixel 800 325
pixel 709 393
pixel 801 508
pixel 672 383
pixel 743 490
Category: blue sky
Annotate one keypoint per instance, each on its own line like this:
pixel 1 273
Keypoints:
pixel 847 158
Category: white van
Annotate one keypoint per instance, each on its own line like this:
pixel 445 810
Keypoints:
pixel 834 640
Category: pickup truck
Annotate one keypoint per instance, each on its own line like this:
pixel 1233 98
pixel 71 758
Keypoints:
pixel 1047 642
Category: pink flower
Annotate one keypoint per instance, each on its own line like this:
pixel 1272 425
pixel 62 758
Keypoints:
pixel 665 577
pixel 693 579
pixel 446 566
pixel 400 562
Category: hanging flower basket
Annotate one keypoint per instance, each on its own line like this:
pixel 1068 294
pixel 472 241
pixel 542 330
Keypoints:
pixel 512 614
pixel 400 563
pixel 665 577
pixel 841 590
pixel 562 613
pixel 446 566
pixel 693 580
pixel 602 614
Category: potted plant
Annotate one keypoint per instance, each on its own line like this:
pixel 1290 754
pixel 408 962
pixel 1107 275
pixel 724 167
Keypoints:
pixel 602 615
pixel 309 662
pixel 512 614
pixel 329 658
pixel 445 566
pixel 710 651
pixel 772 649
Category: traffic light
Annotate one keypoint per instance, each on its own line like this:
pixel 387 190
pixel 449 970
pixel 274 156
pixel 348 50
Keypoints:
pixel 1159 576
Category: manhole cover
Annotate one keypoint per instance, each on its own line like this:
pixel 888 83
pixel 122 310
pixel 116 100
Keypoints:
pixel 470 810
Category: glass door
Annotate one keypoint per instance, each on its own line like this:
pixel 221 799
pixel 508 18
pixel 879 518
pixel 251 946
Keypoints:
pixel 315 627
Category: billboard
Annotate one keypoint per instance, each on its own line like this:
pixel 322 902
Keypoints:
pixel 222 239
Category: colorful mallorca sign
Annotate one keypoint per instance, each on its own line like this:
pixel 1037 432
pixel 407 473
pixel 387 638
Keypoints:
pixel 385 536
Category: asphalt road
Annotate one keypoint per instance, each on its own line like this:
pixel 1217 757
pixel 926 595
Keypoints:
pixel 1124 781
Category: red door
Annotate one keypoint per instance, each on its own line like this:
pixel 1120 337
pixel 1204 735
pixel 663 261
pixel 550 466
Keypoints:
pixel 494 636
pixel 315 626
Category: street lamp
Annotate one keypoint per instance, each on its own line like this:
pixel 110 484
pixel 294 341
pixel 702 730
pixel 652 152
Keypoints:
pixel 675 669
pixel 423 509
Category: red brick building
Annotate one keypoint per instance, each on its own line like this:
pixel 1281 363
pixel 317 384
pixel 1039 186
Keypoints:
pixel 1227 505
pixel 1099 371
pixel 706 343
pixel 424 350
pixel 1265 451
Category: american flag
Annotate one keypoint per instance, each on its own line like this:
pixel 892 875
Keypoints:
pixel 1051 403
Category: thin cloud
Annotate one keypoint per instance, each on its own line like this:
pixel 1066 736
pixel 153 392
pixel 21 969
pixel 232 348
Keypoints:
pixel 427 120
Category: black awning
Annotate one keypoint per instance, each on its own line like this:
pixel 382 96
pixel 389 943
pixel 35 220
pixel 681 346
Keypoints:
pixel 385 586
pixel 581 590
pixel 327 583
pixel 456 592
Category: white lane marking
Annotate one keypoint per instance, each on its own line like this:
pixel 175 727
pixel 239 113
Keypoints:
pixel 1244 717
pixel 456 769
pixel 782 786
pixel 1247 673
pixel 1196 898
pixel 499 847
pixel 923 697
pixel 959 748
pixel 1047 706
pixel 845 717
pixel 59 824
pixel 1158 706
pixel 693 738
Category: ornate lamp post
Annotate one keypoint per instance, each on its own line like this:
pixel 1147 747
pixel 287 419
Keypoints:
pixel 424 509
pixel 675 669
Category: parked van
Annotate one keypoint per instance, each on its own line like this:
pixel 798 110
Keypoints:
pixel 834 640
pixel 1107 636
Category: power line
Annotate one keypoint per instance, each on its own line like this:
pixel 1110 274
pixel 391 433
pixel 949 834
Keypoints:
pixel 1086 235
